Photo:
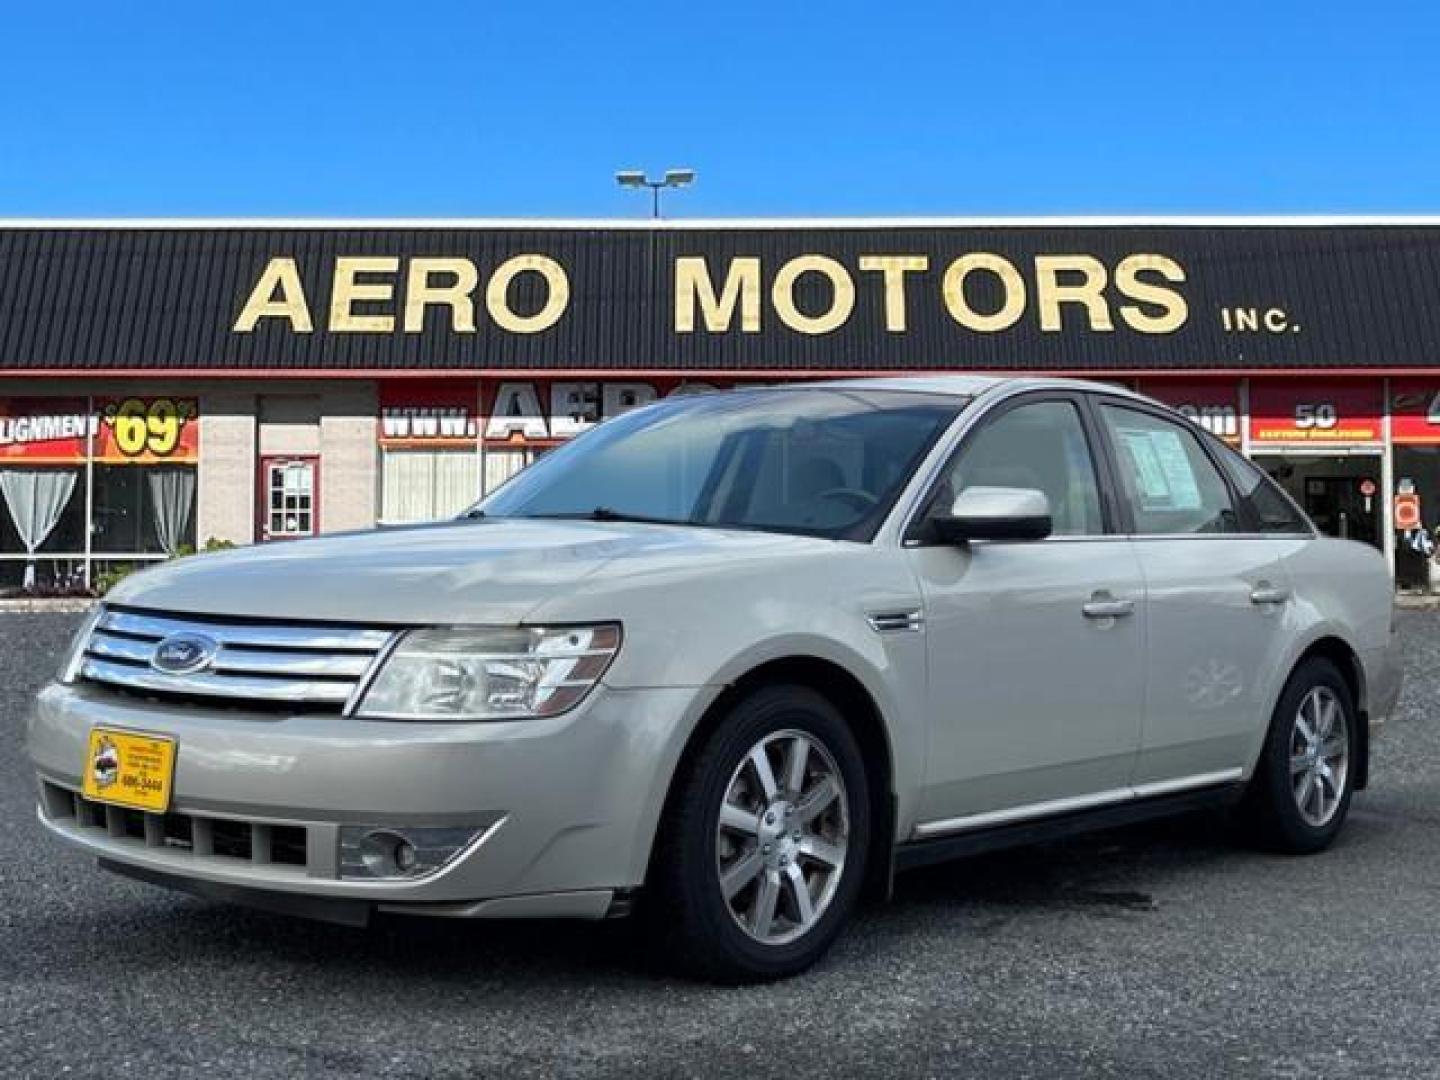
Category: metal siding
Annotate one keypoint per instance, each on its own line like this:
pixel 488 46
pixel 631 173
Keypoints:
pixel 145 299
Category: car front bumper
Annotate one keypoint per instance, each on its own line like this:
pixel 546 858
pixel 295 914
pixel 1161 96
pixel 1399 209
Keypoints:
pixel 563 810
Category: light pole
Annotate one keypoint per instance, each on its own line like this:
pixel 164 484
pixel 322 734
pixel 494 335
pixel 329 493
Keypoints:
pixel 673 178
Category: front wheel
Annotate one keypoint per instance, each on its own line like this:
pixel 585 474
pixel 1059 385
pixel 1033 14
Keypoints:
pixel 1300 793
pixel 761 858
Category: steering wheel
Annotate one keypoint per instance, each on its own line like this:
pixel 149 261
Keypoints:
pixel 861 500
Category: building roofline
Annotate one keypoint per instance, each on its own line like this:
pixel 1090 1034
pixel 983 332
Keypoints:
pixel 683 224
pixel 693 374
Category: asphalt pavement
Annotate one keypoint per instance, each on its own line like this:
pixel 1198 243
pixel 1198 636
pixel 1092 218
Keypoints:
pixel 1157 950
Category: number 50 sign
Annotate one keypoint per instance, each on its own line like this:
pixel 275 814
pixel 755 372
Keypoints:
pixel 137 430
pixel 1320 411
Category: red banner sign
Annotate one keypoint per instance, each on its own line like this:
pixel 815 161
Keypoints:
pixel 135 430
pixel 423 413
pixel 1305 411
pixel 515 412
pixel 1415 411
pixel 1214 404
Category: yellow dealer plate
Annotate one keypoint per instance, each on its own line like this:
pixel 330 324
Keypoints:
pixel 129 768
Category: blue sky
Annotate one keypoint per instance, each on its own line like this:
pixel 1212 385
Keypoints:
pixel 495 109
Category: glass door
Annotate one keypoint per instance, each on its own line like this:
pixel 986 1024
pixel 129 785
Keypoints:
pixel 1341 493
pixel 289 493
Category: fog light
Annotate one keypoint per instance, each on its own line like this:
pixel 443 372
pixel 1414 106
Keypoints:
pixel 405 858
pixel 387 854
pixel 403 851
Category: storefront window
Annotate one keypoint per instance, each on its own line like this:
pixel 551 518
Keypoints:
pixel 1417 483
pixel 129 463
pixel 44 513
pixel 428 485
pixel 501 465
pixel 144 509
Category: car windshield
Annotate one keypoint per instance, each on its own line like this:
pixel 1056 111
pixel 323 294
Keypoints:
pixel 815 461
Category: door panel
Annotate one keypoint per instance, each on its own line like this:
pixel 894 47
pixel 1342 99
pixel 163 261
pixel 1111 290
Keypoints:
pixel 1034 647
pixel 1217 631
pixel 1216 596
pixel 1031 698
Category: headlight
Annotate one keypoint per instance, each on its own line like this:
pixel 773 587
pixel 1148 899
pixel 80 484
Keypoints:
pixel 75 654
pixel 480 673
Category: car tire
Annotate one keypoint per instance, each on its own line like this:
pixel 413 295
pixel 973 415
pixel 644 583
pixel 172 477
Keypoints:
pixel 1298 798
pixel 712 917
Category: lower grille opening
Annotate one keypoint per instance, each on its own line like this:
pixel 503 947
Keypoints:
pixel 133 823
pixel 179 832
pixel 231 838
pixel 287 845
pixel 202 837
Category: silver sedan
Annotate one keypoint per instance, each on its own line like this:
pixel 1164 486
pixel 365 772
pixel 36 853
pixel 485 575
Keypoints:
pixel 729 661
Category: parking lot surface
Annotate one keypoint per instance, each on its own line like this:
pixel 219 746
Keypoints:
pixel 1155 950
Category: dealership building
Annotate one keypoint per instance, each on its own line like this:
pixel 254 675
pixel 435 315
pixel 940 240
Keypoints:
pixel 165 383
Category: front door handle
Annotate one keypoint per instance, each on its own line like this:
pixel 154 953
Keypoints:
pixel 1102 605
pixel 1265 593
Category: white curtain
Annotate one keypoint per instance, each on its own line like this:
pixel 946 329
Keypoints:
pixel 427 485
pixel 172 496
pixel 501 465
pixel 36 498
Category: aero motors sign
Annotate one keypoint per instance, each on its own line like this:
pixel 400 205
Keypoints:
pixel 1305 411
pixel 810 293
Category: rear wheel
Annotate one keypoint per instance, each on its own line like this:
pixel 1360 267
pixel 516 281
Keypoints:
pixel 761 858
pixel 1300 793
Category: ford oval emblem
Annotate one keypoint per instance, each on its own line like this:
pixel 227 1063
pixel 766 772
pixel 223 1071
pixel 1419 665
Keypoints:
pixel 184 654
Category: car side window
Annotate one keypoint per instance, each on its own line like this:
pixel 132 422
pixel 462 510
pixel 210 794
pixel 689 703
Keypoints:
pixel 1271 509
pixel 1040 445
pixel 1171 484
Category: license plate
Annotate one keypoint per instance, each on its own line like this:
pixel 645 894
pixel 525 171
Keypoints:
pixel 130 768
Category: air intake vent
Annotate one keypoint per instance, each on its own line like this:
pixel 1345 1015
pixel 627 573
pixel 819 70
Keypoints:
pixel 896 622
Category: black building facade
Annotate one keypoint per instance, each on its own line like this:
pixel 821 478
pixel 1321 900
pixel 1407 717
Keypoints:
pixel 165 383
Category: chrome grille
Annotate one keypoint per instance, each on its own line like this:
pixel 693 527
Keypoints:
pixel 256 662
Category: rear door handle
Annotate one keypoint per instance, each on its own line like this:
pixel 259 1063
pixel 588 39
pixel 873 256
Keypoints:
pixel 1265 593
pixel 1102 605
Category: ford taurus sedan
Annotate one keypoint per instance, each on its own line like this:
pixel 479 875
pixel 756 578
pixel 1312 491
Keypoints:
pixel 729 661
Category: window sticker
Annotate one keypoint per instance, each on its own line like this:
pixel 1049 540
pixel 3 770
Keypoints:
pixel 1164 477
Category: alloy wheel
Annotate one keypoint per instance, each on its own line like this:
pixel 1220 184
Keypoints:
pixel 782 837
pixel 1319 755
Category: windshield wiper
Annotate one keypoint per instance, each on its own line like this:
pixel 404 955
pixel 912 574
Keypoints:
pixel 606 513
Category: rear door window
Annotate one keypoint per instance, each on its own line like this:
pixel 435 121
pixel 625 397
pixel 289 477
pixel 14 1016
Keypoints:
pixel 1171 484
pixel 1270 509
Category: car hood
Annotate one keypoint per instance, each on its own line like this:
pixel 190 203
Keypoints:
pixel 483 571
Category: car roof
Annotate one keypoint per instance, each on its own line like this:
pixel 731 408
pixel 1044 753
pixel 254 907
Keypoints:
pixel 975 385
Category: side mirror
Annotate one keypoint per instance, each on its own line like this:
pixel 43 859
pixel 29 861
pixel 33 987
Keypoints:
pixel 996 513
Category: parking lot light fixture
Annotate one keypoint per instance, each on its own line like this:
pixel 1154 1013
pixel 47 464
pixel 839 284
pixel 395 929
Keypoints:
pixel 673 178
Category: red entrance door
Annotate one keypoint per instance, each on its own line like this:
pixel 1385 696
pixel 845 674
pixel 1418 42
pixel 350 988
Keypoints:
pixel 289 497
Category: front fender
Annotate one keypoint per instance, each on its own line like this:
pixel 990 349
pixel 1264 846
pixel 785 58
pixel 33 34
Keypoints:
pixel 1312 630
